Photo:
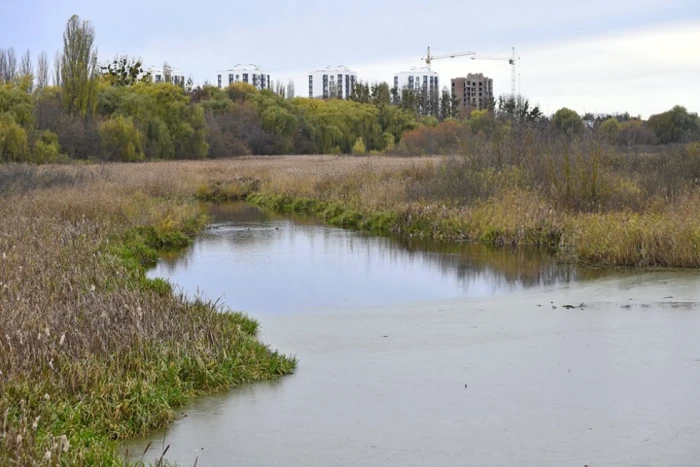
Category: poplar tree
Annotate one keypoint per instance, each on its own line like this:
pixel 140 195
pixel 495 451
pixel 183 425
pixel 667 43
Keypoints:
pixel 79 67
pixel 42 71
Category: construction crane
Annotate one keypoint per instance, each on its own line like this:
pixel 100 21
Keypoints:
pixel 512 61
pixel 428 58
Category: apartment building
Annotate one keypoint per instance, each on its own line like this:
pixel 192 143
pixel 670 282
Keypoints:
pixel 418 79
pixel 332 82
pixel 161 74
pixel 474 92
pixel 251 74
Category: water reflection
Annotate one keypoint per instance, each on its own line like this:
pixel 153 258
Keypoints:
pixel 262 262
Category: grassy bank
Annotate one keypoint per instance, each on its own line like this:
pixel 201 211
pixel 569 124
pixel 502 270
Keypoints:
pixel 637 219
pixel 92 351
pixel 642 218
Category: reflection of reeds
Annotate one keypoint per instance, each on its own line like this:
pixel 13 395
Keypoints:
pixel 90 351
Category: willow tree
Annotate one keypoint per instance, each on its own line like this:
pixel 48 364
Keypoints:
pixel 79 67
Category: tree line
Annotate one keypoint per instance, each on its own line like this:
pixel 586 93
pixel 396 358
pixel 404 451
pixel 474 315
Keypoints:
pixel 78 109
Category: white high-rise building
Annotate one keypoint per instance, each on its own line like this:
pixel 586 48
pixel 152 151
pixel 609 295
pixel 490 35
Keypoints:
pixel 251 74
pixel 332 82
pixel 417 79
pixel 160 74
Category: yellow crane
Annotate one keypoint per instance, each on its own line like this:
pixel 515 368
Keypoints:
pixel 428 57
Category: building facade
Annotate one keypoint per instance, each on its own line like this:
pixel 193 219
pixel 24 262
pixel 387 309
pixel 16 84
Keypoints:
pixel 417 79
pixel 251 74
pixel 165 74
pixel 332 82
pixel 474 92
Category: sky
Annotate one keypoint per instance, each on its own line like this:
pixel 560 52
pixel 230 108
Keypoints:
pixel 600 56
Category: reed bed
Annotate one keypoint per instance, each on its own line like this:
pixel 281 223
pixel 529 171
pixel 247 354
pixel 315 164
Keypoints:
pixel 92 352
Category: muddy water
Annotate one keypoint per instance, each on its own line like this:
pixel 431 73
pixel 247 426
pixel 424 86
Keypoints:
pixel 422 354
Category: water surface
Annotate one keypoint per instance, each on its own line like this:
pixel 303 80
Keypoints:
pixel 416 353
pixel 265 263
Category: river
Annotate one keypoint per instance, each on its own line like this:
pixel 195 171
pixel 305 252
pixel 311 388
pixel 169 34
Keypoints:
pixel 415 353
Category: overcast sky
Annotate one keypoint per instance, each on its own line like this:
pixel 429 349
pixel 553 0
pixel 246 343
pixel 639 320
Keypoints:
pixel 641 56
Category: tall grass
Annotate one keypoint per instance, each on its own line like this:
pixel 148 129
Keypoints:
pixel 91 351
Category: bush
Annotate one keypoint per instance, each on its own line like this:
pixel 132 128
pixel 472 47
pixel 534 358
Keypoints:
pixel 13 142
pixel 610 129
pixel 46 149
pixel 359 147
pixel 120 140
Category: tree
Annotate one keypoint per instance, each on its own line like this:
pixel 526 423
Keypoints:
pixel 26 70
pixel 380 94
pixel 675 126
pixel 610 129
pixel 568 122
pixel 11 68
pixel 445 105
pixel 46 148
pixel 8 65
pixel 120 140
pixel 290 89
pixel 454 105
pixel 3 65
pixel 42 71
pixel 518 109
pixel 167 73
pixel 57 69
pixel 125 71
pixel 280 89
pixel 13 142
pixel 79 67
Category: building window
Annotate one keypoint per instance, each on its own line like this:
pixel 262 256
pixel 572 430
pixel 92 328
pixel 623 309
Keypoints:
pixel 219 81
pixel 230 79
pixel 245 77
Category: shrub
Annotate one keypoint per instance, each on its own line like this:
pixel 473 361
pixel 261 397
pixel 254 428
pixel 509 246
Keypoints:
pixel 46 149
pixel 610 129
pixel 359 147
pixel 13 142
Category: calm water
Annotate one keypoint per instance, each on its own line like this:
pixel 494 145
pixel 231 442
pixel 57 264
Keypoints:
pixel 264 263
pixel 415 353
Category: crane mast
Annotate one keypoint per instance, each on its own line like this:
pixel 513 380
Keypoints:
pixel 512 61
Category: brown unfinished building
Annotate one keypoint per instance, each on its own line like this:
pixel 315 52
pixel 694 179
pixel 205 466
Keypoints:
pixel 474 92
